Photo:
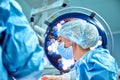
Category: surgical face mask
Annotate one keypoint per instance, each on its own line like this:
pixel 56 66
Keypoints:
pixel 66 53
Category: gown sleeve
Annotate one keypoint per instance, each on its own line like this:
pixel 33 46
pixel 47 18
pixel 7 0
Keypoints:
pixel 21 53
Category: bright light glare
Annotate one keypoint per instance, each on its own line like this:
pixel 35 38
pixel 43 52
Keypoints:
pixel 49 48
pixel 67 63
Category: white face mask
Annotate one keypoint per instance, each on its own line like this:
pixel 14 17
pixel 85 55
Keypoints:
pixel 66 53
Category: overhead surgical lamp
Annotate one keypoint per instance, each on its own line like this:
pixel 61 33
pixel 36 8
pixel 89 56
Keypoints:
pixel 58 18
pixel 34 12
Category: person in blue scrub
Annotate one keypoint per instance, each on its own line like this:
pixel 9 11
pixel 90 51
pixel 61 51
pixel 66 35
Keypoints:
pixel 21 56
pixel 92 63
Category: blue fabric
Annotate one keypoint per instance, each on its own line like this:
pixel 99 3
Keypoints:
pixel 4 75
pixel 97 64
pixel 21 53
pixel 66 53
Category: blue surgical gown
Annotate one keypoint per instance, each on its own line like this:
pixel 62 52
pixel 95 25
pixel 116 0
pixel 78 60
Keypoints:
pixel 20 53
pixel 97 64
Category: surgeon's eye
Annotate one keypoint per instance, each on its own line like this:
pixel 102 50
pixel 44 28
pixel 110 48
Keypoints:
pixel 59 40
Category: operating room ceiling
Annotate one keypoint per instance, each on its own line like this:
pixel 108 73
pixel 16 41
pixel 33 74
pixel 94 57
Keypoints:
pixel 38 3
pixel 109 10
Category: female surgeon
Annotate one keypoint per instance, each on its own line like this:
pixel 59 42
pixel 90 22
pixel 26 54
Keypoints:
pixel 78 36
pixel 21 57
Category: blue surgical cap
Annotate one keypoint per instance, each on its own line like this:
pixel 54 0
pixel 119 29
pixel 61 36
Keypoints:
pixel 81 32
